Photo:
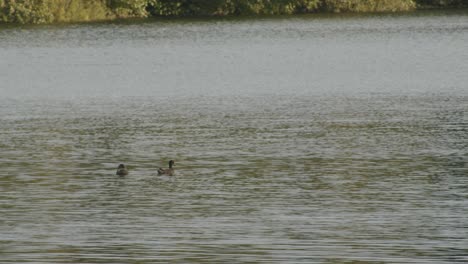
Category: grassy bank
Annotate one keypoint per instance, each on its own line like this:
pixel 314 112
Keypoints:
pixel 50 11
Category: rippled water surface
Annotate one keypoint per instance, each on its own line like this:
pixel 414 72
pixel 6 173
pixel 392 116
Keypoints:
pixel 297 140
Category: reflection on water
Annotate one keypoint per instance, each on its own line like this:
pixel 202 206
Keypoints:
pixel 354 154
pixel 303 55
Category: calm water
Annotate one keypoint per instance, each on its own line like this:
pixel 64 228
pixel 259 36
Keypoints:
pixel 297 140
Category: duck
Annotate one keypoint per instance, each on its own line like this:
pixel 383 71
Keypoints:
pixel 169 171
pixel 122 170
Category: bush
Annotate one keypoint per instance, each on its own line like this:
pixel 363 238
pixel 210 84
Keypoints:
pixel 48 11
pixel 442 3
pixel 128 8
pixel 367 5
pixel 230 7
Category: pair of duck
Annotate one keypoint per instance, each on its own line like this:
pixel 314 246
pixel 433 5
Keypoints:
pixel 122 170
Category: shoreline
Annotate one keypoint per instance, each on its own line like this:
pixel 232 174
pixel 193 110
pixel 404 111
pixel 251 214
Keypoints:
pixel 319 13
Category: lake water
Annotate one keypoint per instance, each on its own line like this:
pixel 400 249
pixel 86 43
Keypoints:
pixel 310 139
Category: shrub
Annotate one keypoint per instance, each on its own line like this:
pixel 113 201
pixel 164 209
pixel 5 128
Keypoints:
pixel 367 5
pixel 48 11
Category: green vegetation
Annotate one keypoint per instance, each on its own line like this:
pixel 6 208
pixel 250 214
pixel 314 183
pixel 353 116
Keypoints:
pixel 442 3
pixel 49 11
pixel 369 5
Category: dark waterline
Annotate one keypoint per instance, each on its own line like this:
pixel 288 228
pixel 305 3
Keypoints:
pixel 424 12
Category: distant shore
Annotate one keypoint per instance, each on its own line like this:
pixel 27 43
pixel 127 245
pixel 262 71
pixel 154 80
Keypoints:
pixel 62 11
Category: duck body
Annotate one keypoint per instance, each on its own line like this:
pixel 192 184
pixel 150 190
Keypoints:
pixel 169 171
pixel 122 170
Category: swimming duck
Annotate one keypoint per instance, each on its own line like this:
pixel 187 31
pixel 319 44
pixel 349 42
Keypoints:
pixel 169 171
pixel 121 170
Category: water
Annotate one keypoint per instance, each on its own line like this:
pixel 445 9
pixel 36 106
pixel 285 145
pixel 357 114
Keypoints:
pixel 296 140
